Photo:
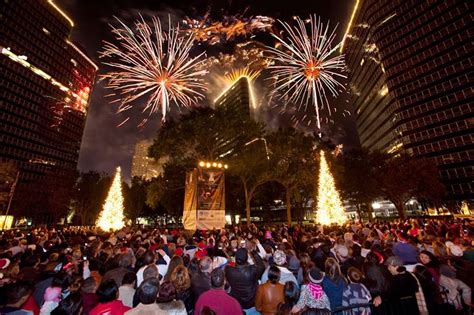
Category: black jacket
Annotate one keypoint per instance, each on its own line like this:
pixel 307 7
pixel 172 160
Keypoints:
pixel 243 281
pixel 200 283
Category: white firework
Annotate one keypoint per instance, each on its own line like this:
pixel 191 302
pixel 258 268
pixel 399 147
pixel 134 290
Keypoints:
pixel 148 61
pixel 304 68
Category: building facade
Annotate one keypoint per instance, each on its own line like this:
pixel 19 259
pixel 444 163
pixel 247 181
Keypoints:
pixel 410 69
pixel 46 82
pixel 238 96
pixel 144 166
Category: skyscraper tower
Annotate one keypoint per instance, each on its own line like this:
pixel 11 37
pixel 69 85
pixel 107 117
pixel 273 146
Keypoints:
pixel 409 69
pixel 46 82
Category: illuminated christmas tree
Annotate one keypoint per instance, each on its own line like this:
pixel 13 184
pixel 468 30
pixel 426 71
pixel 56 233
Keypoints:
pixel 330 209
pixel 111 216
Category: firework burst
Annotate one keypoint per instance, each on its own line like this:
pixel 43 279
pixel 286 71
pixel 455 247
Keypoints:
pixel 148 61
pixel 303 67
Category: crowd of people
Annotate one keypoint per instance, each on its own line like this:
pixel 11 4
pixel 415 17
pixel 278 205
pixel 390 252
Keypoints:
pixel 415 266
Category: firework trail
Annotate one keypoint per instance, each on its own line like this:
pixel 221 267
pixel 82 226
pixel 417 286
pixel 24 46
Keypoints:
pixel 148 61
pixel 303 68
pixel 229 28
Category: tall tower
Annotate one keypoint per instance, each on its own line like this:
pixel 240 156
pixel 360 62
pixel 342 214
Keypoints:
pixel 238 96
pixel 409 64
pixel 46 82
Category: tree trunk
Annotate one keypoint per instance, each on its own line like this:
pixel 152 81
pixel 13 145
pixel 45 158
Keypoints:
pixel 288 205
pixel 247 202
pixel 359 212
pixel 399 205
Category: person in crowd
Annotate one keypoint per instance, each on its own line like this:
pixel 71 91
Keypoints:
pixel 270 294
pixel 88 295
pixel 356 292
pixel 431 262
pixel 402 284
pixel 167 301
pixel 377 278
pixel 279 259
pixel 127 289
pixel 333 282
pixel 216 299
pixel 312 295
pixel 291 295
pixel 243 278
pixel 201 280
pixel 406 251
pixel 16 296
pixel 182 283
pixel 150 259
pixel 124 263
pixel 174 263
pixel 147 293
pixel 71 305
pixel 108 303
pixel 456 292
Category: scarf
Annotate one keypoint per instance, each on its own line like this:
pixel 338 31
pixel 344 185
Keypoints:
pixel 316 290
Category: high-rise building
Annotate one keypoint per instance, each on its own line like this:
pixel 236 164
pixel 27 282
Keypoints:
pixel 238 96
pixel 144 166
pixel 46 81
pixel 410 69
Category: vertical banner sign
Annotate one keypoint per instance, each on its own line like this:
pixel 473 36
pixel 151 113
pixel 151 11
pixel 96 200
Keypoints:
pixel 190 199
pixel 204 201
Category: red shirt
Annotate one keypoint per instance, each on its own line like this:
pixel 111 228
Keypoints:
pixel 110 308
pixel 30 305
pixel 218 301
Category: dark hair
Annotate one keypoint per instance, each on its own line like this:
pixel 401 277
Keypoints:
pixel 16 291
pixel 174 262
pixel 167 292
pixel 89 285
pixel 150 271
pixel 274 274
pixel 206 310
pixel 71 305
pixel 147 292
pixel 129 278
pixel 217 278
pixel 107 291
pixel 434 262
pixel 149 257
pixel 291 292
pixel 355 275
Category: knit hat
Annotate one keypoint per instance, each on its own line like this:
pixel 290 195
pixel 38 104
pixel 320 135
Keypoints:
pixel 279 257
pixel 4 263
pixel 268 235
pixel 241 256
pixel 293 264
pixel 316 275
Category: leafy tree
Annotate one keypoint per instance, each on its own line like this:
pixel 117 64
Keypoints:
pixel 135 198
pixel 403 177
pixel 293 163
pixel 8 173
pixel 357 179
pixel 222 134
pixel 90 192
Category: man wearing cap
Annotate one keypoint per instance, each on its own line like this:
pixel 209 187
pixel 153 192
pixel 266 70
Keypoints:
pixel 402 284
pixel 243 279
pixel 279 259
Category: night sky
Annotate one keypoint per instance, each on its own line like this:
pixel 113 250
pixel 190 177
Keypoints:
pixel 104 146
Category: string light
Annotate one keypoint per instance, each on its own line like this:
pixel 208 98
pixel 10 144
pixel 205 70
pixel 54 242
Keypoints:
pixel 330 209
pixel 112 216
